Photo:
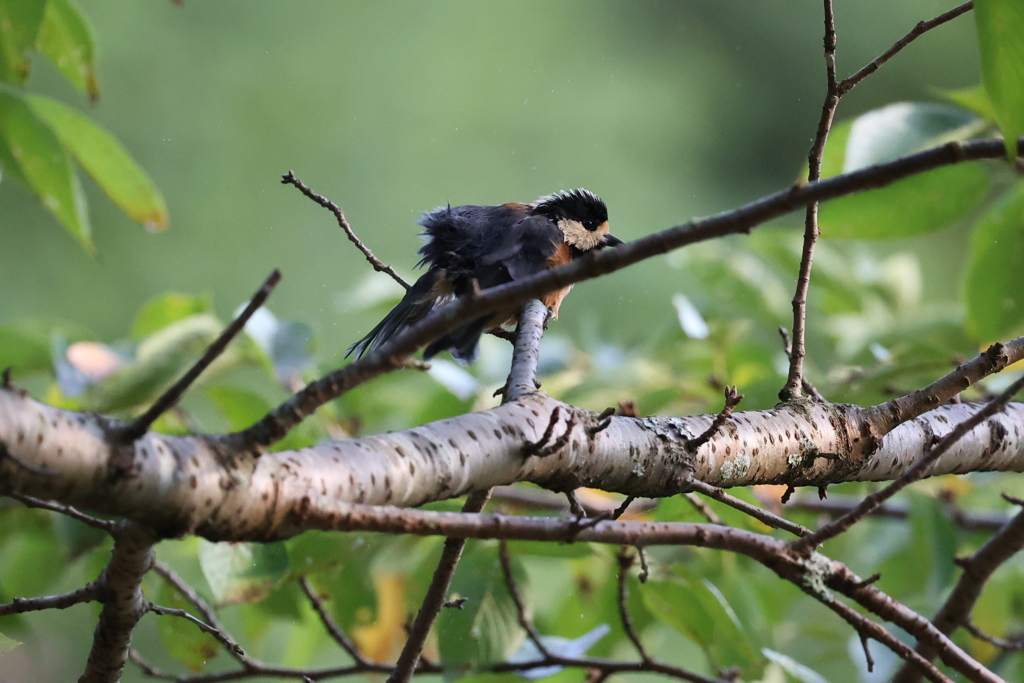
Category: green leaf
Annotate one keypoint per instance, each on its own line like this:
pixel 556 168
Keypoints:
pixel 44 165
pixel 103 158
pixel 919 204
pixel 1001 42
pixel 66 38
pixel 486 630
pixel 240 407
pixel 167 308
pixel 993 288
pixel 183 639
pixel 7 644
pixel 793 668
pixel 19 25
pixel 77 538
pixel 158 360
pixel 699 611
pixel 973 99
pixel 24 350
pixel 243 572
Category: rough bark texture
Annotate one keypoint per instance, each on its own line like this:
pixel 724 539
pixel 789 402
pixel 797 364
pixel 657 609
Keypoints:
pixel 123 603
pixel 180 485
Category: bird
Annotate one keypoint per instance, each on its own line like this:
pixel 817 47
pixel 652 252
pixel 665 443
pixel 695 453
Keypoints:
pixel 482 247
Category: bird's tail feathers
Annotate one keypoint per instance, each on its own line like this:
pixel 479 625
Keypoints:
pixel 416 303
pixel 463 342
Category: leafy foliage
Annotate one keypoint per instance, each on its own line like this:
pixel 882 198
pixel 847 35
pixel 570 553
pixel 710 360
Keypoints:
pixel 877 329
pixel 39 136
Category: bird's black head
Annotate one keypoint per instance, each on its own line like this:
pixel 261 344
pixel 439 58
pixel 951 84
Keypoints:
pixel 580 215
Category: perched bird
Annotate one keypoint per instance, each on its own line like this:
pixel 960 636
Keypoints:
pixel 493 245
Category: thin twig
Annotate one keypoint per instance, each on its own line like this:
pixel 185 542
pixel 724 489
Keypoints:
pixel 839 505
pixel 910 475
pixel 290 179
pixel 202 625
pixel 732 399
pixel 66 510
pixel 332 626
pixel 625 563
pixel 760 514
pixel 794 385
pixel 517 600
pixel 787 347
pixel 1008 644
pixel 703 508
pixel 435 597
pixel 922 27
pixel 132 431
pixel 87 593
pixel 206 611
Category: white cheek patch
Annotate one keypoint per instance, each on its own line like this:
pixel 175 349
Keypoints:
pixel 578 236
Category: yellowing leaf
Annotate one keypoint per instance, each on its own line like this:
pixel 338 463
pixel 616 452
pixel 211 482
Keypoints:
pixel 103 158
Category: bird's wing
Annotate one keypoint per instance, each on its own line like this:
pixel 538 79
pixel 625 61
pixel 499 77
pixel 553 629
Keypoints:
pixel 518 252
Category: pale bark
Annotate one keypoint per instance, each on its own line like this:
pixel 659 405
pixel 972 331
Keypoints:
pixel 189 484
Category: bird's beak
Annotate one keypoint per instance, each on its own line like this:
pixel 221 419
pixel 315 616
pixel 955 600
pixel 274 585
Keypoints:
pixel 611 240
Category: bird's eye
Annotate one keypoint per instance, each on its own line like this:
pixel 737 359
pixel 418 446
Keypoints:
pixel 590 225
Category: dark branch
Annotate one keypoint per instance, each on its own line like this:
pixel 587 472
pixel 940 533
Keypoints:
pixel 141 424
pixel 794 384
pixel 847 84
pixel 279 421
pixel 290 179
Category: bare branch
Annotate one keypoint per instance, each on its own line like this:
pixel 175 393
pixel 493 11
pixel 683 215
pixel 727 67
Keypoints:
pixel 910 475
pixel 1009 644
pixel 279 421
pixel 977 570
pixel 836 506
pixel 123 602
pixel 435 597
pixel 922 27
pixel 517 600
pixel 66 510
pixel 208 613
pixel 760 514
pixel 225 640
pixel 625 563
pixel 290 179
pixel 87 593
pixel 522 377
pixel 132 431
pixel 787 347
pixel 794 385
pixel 732 399
pixel 332 626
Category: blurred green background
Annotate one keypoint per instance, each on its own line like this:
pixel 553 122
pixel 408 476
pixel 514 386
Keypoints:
pixel 666 109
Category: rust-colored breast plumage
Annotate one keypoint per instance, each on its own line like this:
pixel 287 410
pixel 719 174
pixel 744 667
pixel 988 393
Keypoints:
pixel 561 256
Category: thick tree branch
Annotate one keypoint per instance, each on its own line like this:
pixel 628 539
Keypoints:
pixel 183 484
pixel 123 602
pixel 917 471
pixel 389 357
